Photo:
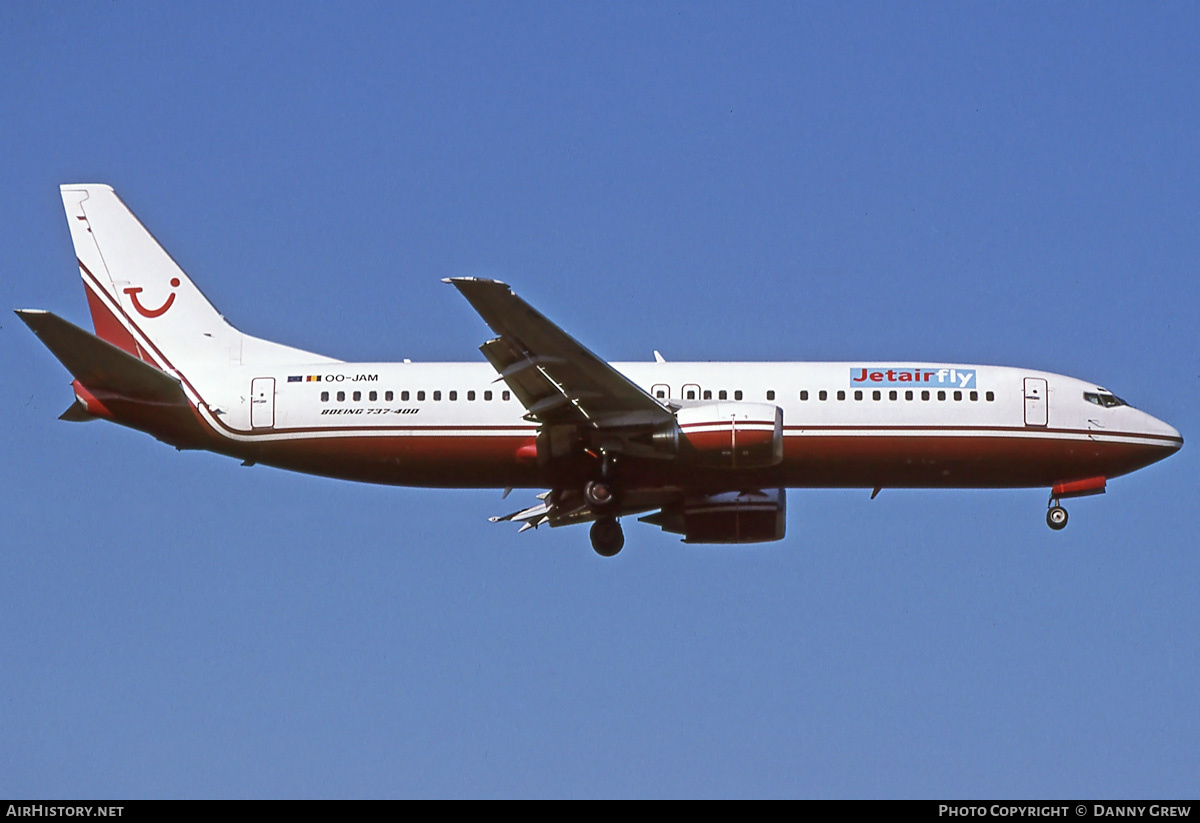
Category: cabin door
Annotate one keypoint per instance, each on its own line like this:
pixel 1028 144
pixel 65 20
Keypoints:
pixel 262 402
pixel 1035 401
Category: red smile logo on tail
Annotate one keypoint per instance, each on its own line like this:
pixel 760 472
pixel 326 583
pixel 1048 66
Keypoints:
pixel 134 291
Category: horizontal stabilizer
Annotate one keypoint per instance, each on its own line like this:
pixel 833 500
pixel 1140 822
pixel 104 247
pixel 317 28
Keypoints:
pixel 100 365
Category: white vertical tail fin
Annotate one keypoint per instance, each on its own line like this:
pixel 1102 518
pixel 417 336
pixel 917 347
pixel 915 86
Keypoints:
pixel 143 302
pixel 136 292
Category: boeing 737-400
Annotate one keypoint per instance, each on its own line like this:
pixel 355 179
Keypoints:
pixel 705 450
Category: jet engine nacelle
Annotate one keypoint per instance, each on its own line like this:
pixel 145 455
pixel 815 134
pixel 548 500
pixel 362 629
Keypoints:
pixel 732 435
pixel 731 517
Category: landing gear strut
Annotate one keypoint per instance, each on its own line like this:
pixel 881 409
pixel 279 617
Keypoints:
pixel 1056 516
pixel 601 498
pixel 607 537
pixel 601 495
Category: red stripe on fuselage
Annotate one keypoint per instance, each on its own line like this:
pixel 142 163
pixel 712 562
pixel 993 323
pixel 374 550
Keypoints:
pixel 816 462
pixel 1166 439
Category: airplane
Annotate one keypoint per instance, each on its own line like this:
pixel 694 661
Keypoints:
pixel 705 450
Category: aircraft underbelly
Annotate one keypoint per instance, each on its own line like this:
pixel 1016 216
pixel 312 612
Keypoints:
pixel 892 461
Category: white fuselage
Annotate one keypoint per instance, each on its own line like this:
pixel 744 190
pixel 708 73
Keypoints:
pixel 832 413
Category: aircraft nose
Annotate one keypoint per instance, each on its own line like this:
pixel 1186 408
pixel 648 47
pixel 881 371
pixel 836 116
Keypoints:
pixel 1168 433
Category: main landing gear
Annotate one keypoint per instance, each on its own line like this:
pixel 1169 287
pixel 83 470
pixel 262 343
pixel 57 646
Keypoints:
pixel 1056 516
pixel 601 498
pixel 599 495
pixel 607 537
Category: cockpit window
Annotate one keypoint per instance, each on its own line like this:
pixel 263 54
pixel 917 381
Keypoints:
pixel 1103 399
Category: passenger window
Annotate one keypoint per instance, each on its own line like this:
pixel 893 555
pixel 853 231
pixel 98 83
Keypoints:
pixel 453 395
pixel 505 395
pixel 841 395
pixel 341 397
pixel 388 396
pixel 708 394
pixel 357 396
pixel 437 395
pixel 941 395
pixel 421 395
pixel 660 394
pixel 470 395
pixel 487 395
pixel 990 396
pixel 957 395
pixel 803 395
pixel 858 394
pixel 925 394
pixel 908 395
pixel 877 395
pixel 737 395
pixel 691 395
pixel 324 397
pixel 974 395
pixel 722 395
pixel 771 394
pixel 892 395
pixel 373 396
pixel 823 395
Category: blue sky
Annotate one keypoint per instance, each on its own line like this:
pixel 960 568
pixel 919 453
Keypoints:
pixel 995 183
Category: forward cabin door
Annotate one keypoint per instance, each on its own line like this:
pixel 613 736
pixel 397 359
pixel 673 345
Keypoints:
pixel 1035 401
pixel 262 402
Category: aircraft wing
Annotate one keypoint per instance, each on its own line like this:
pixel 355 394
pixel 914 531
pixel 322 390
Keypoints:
pixel 553 375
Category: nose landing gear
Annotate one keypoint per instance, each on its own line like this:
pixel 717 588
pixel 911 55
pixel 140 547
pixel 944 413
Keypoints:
pixel 1056 516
